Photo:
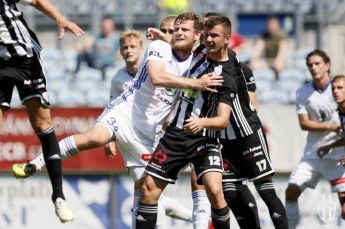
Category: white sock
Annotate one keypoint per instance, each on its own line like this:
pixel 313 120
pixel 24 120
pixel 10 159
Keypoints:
pixel 201 210
pixel 292 213
pixel 161 216
pixel 134 209
pixel 67 147
pixel 175 209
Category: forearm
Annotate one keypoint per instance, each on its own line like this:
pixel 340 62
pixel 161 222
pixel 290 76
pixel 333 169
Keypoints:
pixel 170 81
pixel 338 143
pixel 47 8
pixel 215 123
pixel 315 126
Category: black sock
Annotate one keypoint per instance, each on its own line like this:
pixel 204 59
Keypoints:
pixel 146 216
pixel 52 158
pixel 221 218
pixel 274 204
pixel 242 203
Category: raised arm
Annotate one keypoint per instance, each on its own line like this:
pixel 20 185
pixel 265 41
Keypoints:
pixel 49 9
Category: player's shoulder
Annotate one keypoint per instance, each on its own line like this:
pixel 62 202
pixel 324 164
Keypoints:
pixel 159 44
pixel 122 71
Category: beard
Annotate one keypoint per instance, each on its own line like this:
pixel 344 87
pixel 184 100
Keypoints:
pixel 182 47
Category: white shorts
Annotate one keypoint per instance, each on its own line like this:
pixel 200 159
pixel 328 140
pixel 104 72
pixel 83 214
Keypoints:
pixel 309 171
pixel 135 150
pixel 136 172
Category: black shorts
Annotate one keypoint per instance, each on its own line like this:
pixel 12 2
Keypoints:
pixel 246 158
pixel 27 75
pixel 176 149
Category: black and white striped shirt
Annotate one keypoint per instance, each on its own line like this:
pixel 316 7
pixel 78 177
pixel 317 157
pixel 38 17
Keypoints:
pixel 243 119
pixel 16 39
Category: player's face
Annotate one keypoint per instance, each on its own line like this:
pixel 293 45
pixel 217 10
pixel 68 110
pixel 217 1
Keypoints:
pixel 167 27
pixel 131 50
pixel 184 35
pixel 338 89
pixel 216 39
pixel 317 67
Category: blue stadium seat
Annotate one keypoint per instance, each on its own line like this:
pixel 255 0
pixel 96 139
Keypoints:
pixel 71 98
pixel 275 96
pixel 97 98
pixel 293 74
pixel 91 74
pixel 264 74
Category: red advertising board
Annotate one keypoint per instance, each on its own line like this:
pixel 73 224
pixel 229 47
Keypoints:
pixel 18 143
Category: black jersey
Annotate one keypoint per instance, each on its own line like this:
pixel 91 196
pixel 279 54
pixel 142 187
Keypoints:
pixel 244 120
pixel 342 121
pixel 194 103
pixel 16 39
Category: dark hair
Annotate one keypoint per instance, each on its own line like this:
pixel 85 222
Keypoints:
pixel 320 53
pixel 198 25
pixel 219 20
pixel 211 14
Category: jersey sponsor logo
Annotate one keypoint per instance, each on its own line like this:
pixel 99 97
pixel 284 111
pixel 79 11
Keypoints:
pixel 160 157
pixel 146 156
pixel 164 100
pixel 155 53
pixel 170 91
pixel 258 154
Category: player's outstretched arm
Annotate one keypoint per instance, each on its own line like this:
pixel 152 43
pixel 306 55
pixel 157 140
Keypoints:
pixel 326 149
pixel 64 24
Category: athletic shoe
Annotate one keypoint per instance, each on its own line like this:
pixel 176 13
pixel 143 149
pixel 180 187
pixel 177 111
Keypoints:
pixel 24 170
pixel 62 211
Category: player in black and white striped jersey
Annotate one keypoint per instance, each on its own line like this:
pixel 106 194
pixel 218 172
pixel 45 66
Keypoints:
pixel 21 67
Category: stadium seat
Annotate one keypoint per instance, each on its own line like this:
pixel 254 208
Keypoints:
pixel 293 74
pixel 275 96
pixel 90 74
pixel 71 98
pixel 98 98
pixel 264 74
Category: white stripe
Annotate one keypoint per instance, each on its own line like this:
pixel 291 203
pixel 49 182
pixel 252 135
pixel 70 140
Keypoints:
pixel 264 146
pixel 238 111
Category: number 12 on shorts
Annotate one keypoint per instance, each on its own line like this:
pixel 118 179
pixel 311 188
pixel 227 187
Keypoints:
pixel 214 160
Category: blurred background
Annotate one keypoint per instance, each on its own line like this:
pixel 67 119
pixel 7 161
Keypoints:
pixel 99 189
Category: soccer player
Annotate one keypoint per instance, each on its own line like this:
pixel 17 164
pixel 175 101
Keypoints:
pixel 135 117
pixel 317 114
pixel 190 137
pixel 131 47
pixel 21 67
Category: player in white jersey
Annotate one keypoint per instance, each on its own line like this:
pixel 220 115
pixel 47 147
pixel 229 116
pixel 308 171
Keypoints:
pixel 317 114
pixel 132 119
pixel 131 47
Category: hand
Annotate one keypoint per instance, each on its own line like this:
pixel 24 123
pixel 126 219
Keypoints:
pixel 65 24
pixel 206 81
pixel 110 150
pixel 194 125
pixel 153 34
pixel 323 151
pixel 335 127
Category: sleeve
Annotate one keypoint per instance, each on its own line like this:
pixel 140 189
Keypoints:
pixel 158 50
pixel 300 102
pixel 249 77
pixel 229 90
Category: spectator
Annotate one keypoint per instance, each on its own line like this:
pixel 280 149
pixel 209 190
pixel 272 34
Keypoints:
pixel 270 49
pixel 102 51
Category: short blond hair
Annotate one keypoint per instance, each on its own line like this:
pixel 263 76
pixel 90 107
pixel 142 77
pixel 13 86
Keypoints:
pixel 131 33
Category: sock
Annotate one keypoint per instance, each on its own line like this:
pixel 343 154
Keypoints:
pixel 134 209
pixel 146 216
pixel 201 209
pixel 275 206
pixel 52 158
pixel 67 147
pixel 221 218
pixel 292 212
pixel 242 203
pixel 175 209
pixel 161 216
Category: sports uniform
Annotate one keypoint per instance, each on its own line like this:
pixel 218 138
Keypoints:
pixel 321 107
pixel 120 83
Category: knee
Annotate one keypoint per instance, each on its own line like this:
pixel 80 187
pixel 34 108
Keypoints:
pixel 292 192
pixel 149 192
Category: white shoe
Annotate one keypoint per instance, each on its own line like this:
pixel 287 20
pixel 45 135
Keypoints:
pixel 62 211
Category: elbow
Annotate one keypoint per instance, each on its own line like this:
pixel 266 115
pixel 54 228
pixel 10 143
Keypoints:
pixel 157 82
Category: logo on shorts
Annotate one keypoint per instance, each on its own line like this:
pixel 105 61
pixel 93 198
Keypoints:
pixel 160 157
pixel 326 208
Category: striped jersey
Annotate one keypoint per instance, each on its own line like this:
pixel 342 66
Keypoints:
pixel 147 105
pixel 243 119
pixel 16 38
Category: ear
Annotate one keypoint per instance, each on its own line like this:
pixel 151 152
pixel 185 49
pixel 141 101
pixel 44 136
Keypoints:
pixel 197 36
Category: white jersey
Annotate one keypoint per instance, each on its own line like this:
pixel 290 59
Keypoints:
pixel 136 116
pixel 120 82
pixel 320 107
